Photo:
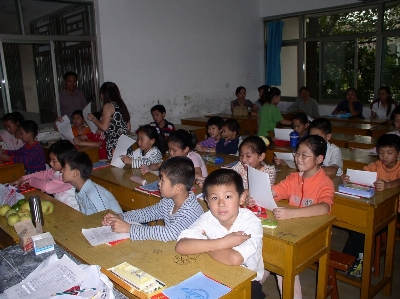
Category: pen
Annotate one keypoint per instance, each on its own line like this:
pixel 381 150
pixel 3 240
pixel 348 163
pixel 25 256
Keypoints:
pixel 73 292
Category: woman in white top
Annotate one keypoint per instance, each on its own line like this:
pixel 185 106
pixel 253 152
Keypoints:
pixel 383 106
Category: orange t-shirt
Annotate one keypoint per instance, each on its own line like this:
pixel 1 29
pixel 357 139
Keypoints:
pixel 304 192
pixel 384 173
pixel 75 132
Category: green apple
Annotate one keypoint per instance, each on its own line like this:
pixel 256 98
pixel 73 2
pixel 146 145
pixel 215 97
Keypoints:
pixel 47 207
pixel 10 211
pixel 4 209
pixel 21 201
pixel 25 206
pixel 12 219
pixel 269 223
pixel 25 217
pixel 16 206
pixel 23 212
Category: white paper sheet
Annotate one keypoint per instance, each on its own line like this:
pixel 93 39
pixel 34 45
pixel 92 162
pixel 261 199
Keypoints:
pixel 282 134
pixel 362 177
pixel 288 158
pixel 124 142
pixel 103 235
pixel 260 188
pixel 85 112
pixel 57 277
pixel 64 128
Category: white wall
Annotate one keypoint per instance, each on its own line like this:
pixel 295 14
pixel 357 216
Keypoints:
pixel 189 55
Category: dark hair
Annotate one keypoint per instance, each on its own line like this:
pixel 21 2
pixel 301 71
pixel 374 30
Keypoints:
pixel 215 121
pixel 304 88
pixel 79 112
pixel 179 170
pixel 316 144
pixel 62 149
pixel 15 117
pixel 255 143
pixel 388 140
pixel 390 101
pixel 156 134
pixel 29 126
pixel 322 124
pixel 81 162
pixel 350 88
pixel 110 93
pixel 159 108
pixel 269 95
pixel 265 87
pixel 302 117
pixel 67 74
pixel 239 89
pixel 232 125
pixel 221 177
pixel 183 139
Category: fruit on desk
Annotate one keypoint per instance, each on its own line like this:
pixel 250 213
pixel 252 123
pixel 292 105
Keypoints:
pixel 10 211
pixel 12 219
pixel 4 209
pixel 21 201
pixel 24 212
pixel 25 217
pixel 16 206
pixel 25 206
pixel 47 207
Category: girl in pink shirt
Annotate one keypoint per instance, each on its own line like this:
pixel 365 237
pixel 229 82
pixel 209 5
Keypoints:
pixel 10 136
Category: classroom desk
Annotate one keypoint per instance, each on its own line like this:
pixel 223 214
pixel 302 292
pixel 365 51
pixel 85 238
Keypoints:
pixel 195 121
pixel 341 139
pixel 378 131
pixel 352 128
pixel 199 131
pixel 92 151
pixel 364 142
pixel 355 159
pixel 369 216
pixel 11 172
pixel 248 124
pixel 356 120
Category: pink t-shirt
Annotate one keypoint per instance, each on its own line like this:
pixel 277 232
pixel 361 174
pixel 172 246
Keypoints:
pixel 11 142
pixel 198 162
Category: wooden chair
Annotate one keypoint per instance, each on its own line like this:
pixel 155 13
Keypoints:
pixel 380 250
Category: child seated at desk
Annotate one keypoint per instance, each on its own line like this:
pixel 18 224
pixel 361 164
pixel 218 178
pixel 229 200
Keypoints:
pixel 178 207
pixel 214 129
pixel 78 127
pixel 158 113
pixel 229 142
pixel 151 148
pixel 301 124
pixel 10 136
pixel 31 154
pixel 388 176
pixel 91 198
pixel 50 180
pixel 229 234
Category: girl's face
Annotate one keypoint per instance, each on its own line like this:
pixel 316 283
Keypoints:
pixel 54 163
pixel 383 95
pixel 241 95
pixel 144 142
pixel 397 121
pixel 175 151
pixel 11 127
pixel 249 158
pixel 275 100
pixel 26 137
pixel 299 127
pixel 306 161
pixel 351 96
pixel 77 120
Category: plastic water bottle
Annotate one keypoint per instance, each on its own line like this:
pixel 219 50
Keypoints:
pixel 294 139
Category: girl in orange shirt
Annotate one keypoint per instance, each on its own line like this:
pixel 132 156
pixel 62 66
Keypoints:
pixel 78 124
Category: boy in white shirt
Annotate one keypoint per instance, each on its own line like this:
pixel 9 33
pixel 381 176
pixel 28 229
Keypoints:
pixel 228 233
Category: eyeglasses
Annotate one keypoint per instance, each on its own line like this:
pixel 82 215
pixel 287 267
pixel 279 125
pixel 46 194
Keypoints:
pixel 302 156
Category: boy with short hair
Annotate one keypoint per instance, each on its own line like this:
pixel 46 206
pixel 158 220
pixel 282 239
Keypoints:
pixel 91 197
pixel 158 113
pixel 214 129
pixel 229 142
pixel 178 207
pixel 333 162
pixel 228 233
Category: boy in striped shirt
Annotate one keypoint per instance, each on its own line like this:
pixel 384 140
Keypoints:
pixel 178 207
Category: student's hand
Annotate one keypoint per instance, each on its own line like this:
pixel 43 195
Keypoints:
pixel 380 185
pixel 283 213
pixel 250 201
pixel 144 169
pixel 277 161
pixel 59 119
pixel 345 178
pixel 4 157
pixel 91 116
pixel 120 226
pixel 235 239
pixel 76 141
pixel 200 181
pixel 126 159
pixel 109 219
pixel 200 148
pixel 18 182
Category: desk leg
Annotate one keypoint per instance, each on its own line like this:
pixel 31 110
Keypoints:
pixel 323 264
pixel 391 236
pixel 288 276
pixel 367 258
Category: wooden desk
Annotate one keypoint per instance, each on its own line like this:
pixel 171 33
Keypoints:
pixel 11 172
pixel 248 124
pixel 341 139
pixel 369 216
pixel 199 131
pixel 364 142
pixel 356 120
pixel 352 128
pixel 378 131
pixel 93 152
pixel 355 159
pixel 195 121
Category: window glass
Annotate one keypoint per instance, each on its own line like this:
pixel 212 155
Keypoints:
pixel 289 71
pixel 290 29
pixel 391 16
pixel 9 18
pixel 391 66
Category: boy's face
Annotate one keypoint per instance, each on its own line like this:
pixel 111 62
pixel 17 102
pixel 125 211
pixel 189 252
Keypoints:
pixel 54 163
pixel 166 188
pixel 157 116
pixel 318 132
pixel 388 156
pixel 68 174
pixel 214 131
pixel 228 135
pixel 224 202
pixel 77 120
pixel 25 137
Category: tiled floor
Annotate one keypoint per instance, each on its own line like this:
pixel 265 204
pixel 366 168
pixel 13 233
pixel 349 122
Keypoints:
pixel 308 277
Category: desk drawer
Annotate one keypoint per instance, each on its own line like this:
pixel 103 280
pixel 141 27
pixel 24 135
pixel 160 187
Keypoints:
pixel 11 172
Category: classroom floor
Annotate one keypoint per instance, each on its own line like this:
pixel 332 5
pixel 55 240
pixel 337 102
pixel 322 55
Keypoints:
pixel 308 277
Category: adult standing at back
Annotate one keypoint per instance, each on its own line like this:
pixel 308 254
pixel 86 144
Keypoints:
pixel 241 106
pixel 71 98
pixel 115 118
pixel 304 103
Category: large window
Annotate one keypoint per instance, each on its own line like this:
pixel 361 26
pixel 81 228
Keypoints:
pixel 358 47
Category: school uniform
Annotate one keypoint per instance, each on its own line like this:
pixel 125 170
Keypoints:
pixel 153 156
pixel 227 147
pixel 32 156
pixel 333 157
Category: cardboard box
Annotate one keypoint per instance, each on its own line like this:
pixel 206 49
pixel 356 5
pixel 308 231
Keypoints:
pixel 43 243
pixel 26 231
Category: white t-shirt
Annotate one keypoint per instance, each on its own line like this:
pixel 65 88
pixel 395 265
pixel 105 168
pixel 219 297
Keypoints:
pixel 334 157
pixel 251 250
pixel 198 162
pixel 380 111
pixel 10 142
